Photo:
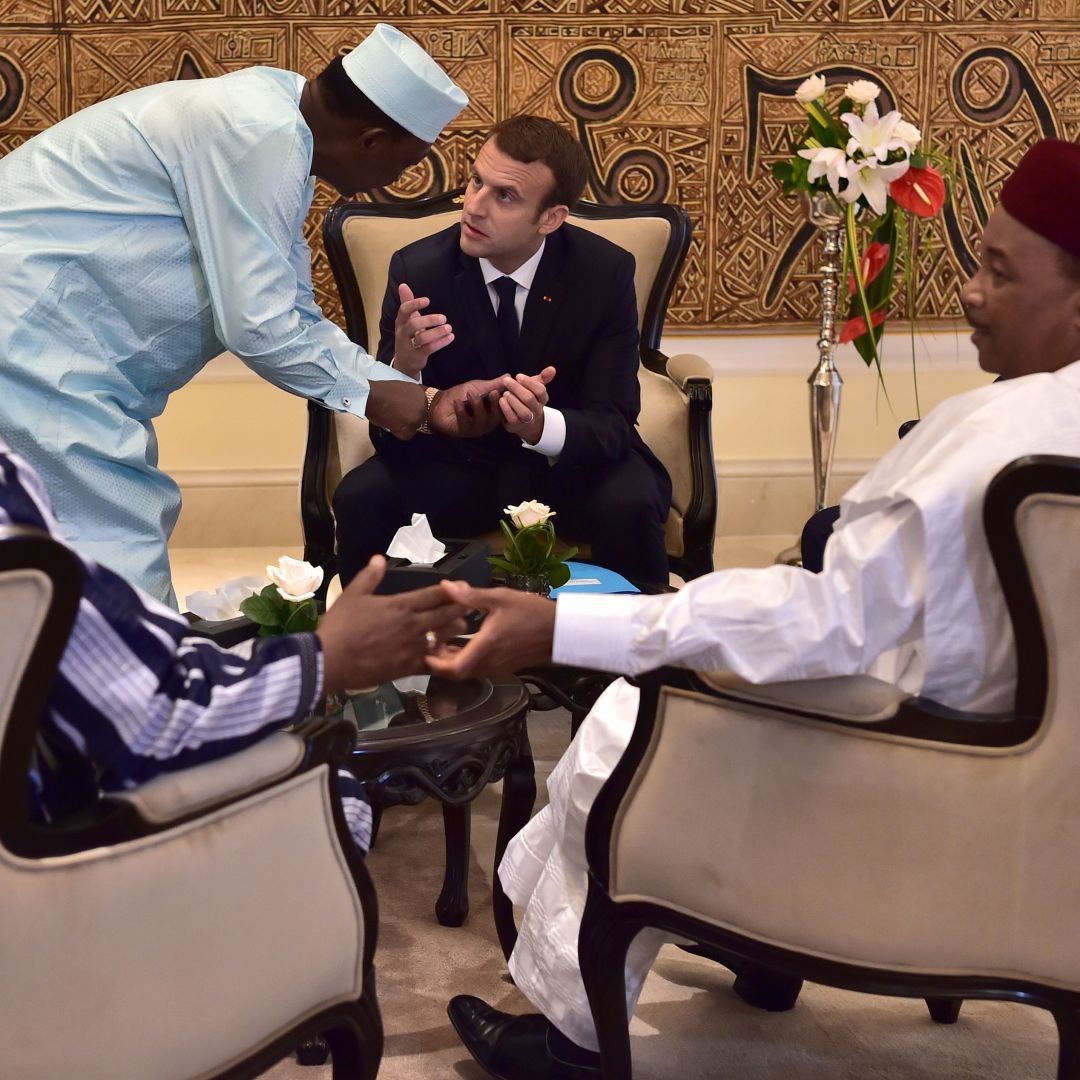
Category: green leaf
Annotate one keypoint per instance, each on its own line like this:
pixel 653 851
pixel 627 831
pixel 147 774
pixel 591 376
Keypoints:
pixel 301 617
pixel 560 575
pixel 263 609
pixel 511 539
pixel 782 171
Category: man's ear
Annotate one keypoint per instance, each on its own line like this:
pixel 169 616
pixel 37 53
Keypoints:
pixel 552 218
pixel 373 138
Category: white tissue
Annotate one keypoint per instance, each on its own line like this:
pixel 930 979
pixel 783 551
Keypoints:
pixel 224 602
pixel 416 543
pixel 412 684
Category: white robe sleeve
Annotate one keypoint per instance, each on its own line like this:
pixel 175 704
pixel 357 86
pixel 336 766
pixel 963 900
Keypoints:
pixel 244 194
pixel 770 624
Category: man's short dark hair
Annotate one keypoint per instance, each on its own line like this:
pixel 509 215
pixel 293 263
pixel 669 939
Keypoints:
pixel 345 100
pixel 535 138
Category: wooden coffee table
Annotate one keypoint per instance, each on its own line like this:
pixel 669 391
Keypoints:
pixel 449 744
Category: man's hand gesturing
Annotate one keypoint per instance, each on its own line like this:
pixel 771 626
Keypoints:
pixel 522 404
pixel 417 336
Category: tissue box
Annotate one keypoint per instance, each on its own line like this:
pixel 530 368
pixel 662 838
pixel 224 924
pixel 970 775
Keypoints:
pixel 465 560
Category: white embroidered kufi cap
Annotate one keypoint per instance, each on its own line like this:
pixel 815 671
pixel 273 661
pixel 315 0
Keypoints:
pixel 404 82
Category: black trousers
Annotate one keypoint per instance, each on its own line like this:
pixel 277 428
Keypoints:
pixel 615 508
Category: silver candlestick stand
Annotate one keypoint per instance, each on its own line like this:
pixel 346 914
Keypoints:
pixel 825 382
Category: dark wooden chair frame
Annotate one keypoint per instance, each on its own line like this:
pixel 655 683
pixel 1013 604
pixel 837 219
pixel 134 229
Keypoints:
pixel 699 522
pixel 608 927
pixel 353 1029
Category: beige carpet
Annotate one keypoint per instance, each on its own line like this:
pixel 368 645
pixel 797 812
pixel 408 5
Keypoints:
pixel 689 1024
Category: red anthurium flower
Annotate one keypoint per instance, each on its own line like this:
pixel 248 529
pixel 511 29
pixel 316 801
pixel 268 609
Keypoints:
pixel 875 259
pixel 922 191
pixel 856 327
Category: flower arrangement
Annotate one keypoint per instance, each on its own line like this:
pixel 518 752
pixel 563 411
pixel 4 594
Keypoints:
pixel 530 547
pixel 287 605
pixel 875 165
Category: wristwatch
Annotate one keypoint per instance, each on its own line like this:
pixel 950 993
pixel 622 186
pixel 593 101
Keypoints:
pixel 431 393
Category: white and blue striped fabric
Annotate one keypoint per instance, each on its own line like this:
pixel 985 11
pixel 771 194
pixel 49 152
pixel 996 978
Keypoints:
pixel 136 696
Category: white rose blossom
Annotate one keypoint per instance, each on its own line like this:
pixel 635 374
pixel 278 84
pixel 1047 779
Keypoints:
pixel 295 579
pixel 862 91
pixel 529 513
pixel 907 133
pixel 810 89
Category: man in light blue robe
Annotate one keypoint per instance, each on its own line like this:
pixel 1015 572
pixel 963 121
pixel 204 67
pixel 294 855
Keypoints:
pixel 145 234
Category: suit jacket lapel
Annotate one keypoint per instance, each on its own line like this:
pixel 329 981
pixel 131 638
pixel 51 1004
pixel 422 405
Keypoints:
pixel 542 308
pixel 483 328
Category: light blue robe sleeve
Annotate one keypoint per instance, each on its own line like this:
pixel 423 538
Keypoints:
pixel 244 195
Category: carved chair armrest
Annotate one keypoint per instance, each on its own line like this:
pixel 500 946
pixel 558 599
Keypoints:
pixel 685 368
pixel 856 699
pixel 863 702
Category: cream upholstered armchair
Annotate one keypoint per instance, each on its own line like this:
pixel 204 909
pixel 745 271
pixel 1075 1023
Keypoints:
pixel 676 393
pixel 858 837
pixel 203 924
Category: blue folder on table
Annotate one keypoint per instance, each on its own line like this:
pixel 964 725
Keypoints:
pixel 586 578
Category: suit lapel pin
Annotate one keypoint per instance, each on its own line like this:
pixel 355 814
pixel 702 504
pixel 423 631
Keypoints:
pixel 546 299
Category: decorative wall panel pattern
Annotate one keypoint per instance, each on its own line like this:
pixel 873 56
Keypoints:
pixel 684 100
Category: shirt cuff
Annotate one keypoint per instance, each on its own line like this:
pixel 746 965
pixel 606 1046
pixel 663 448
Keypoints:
pixel 596 631
pixel 418 379
pixel 553 437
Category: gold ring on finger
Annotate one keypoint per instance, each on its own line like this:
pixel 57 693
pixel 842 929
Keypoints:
pixel 431 639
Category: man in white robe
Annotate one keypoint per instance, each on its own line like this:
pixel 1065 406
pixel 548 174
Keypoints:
pixel 145 234
pixel 908 593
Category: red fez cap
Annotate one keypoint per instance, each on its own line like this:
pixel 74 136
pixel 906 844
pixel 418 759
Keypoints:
pixel 1042 193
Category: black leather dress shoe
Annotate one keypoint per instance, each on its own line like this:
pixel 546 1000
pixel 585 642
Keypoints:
pixel 512 1047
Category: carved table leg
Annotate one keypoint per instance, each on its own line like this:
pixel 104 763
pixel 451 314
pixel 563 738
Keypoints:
pixel 519 794
pixel 453 903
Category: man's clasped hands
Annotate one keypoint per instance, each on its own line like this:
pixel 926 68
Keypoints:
pixel 472 408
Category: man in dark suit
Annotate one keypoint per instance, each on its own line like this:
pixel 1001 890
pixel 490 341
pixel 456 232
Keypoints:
pixel 568 327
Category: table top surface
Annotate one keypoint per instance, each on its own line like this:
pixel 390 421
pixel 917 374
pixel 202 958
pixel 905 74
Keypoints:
pixel 390 716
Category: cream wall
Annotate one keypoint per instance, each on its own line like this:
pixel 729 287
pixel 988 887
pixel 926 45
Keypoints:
pixel 235 443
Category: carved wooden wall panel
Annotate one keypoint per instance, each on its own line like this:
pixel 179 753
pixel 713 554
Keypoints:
pixel 685 100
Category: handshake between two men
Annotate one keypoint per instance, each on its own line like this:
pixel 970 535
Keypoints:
pixel 367 639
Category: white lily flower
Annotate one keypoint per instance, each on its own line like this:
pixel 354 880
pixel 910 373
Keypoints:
pixel 828 161
pixel 872 180
pixel 907 133
pixel 872 135
pixel 810 89
pixel 862 91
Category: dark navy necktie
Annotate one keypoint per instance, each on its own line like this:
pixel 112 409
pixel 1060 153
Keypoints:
pixel 506 316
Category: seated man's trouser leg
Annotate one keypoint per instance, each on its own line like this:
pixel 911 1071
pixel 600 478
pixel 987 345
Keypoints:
pixel 545 872
pixel 375 499
pixel 617 507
